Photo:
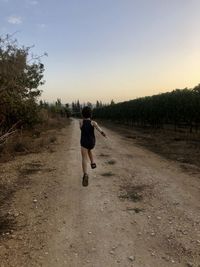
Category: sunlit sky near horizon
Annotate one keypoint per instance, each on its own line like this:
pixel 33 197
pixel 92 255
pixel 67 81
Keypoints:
pixel 109 49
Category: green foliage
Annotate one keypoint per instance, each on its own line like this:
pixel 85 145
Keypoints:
pixel 99 104
pixel 112 102
pixel 76 109
pixel 20 77
pixel 179 107
pixel 56 109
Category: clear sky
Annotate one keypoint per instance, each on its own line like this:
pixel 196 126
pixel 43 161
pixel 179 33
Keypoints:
pixel 109 49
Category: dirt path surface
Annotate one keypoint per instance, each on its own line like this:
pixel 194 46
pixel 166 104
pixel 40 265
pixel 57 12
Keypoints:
pixel 139 209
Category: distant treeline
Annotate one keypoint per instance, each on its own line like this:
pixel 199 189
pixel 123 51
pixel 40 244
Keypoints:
pixel 56 108
pixel 76 107
pixel 180 107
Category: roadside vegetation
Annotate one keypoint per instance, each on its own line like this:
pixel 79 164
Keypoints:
pixel 22 117
pixel 179 109
pixel 168 124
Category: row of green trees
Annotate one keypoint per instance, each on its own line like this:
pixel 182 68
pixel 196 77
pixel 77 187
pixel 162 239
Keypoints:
pixel 180 107
pixel 76 106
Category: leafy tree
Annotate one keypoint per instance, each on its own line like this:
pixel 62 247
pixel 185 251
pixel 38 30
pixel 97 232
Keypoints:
pixel 20 77
pixel 76 109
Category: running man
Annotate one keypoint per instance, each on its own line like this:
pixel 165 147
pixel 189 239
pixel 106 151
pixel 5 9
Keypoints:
pixel 88 140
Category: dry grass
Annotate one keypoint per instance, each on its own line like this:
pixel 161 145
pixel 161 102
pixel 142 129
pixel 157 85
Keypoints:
pixel 111 162
pixel 180 145
pixel 107 174
pixel 43 136
pixel 104 155
pixel 134 193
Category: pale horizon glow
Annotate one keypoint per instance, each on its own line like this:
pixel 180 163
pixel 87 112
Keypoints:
pixel 109 49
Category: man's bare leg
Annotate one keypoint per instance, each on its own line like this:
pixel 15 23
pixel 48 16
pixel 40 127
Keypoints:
pixel 84 153
pixel 91 156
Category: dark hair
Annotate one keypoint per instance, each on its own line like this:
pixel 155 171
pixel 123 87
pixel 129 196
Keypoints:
pixel 87 112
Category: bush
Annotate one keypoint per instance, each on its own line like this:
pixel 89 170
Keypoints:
pixel 20 77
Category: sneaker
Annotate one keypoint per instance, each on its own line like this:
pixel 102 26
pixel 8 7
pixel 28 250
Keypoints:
pixel 85 180
pixel 93 165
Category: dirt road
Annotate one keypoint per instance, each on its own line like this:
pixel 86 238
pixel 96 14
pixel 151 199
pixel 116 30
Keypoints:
pixel 139 209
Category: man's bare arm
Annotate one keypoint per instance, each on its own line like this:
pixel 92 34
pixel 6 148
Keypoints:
pixel 94 123
pixel 80 123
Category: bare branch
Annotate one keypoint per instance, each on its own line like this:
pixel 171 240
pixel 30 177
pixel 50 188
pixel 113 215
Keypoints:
pixel 37 57
pixel 5 136
pixel 14 126
pixel 10 132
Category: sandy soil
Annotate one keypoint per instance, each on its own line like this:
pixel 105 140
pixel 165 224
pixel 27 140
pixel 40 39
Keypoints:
pixel 139 209
pixel 180 146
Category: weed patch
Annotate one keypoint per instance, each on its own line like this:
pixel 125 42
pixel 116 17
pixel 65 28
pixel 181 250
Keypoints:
pixel 107 174
pixel 104 155
pixel 133 192
pixel 111 162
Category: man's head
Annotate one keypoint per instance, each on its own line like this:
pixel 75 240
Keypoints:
pixel 87 112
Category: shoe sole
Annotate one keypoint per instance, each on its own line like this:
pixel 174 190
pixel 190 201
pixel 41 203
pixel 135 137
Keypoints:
pixel 93 167
pixel 85 181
